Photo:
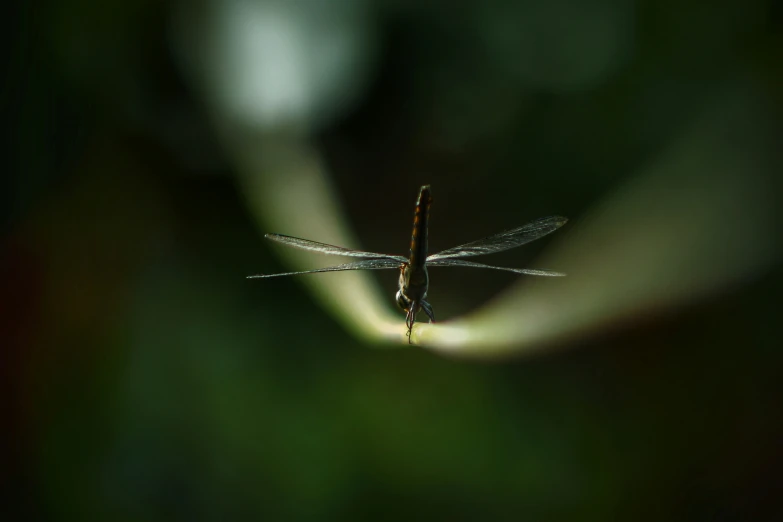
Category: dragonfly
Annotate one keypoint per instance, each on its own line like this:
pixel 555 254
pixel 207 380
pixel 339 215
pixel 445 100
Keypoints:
pixel 414 277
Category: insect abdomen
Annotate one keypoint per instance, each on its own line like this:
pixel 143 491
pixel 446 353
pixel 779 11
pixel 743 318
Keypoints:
pixel 421 217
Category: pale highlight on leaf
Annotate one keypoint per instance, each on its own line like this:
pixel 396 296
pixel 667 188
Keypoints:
pixel 696 220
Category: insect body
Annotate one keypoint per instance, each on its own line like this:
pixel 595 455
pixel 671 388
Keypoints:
pixel 414 278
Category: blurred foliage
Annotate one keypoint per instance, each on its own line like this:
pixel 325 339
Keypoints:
pixel 146 379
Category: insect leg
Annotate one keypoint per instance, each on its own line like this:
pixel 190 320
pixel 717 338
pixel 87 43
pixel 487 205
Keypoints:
pixel 428 310
pixel 410 318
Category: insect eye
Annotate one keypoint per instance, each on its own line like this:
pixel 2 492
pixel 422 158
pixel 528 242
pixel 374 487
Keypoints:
pixel 402 301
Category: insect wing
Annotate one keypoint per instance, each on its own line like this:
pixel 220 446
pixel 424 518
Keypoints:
pixel 504 240
pixel 526 271
pixel 314 246
pixel 367 264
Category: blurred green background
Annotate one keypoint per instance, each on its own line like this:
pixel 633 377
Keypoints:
pixel 147 380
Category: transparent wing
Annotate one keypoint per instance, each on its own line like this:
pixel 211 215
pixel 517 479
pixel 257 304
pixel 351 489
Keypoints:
pixel 526 271
pixel 305 244
pixel 367 264
pixel 504 240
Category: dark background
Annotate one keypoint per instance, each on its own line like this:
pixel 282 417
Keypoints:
pixel 146 379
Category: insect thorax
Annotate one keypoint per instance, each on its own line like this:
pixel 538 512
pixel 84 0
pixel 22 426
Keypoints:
pixel 414 282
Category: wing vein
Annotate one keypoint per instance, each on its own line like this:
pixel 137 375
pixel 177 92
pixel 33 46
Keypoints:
pixel 504 240
pixel 323 248
pixel 526 271
pixel 367 264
